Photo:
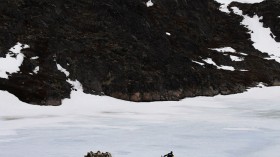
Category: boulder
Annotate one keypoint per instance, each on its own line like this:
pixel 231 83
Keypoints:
pixel 98 154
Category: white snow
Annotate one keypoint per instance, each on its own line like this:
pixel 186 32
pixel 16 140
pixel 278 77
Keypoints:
pixel 210 61
pixel 225 3
pixel 13 60
pixel 76 85
pixel 149 3
pixel 198 63
pixel 231 50
pixel 34 58
pixel 244 54
pixel 244 124
pixel 224 49
pixel 242 129
pixel 60 68
pixel 223 67
pixel 36 70
pixel 244 70
pixel 260 36
pixel 236 58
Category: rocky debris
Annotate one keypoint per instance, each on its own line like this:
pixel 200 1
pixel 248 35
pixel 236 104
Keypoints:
pixel 124 49
pixel 107 154
pixel 169 155
pixel 98 154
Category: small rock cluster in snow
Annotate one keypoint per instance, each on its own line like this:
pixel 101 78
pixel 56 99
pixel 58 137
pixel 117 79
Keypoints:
pixel 98 154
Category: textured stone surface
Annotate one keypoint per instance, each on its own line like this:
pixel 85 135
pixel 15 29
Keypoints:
pixel 270 12
pixel 98 154
pixel 120 48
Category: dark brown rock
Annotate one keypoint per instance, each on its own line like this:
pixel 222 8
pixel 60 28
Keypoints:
pixel 98 154
pixel 120 48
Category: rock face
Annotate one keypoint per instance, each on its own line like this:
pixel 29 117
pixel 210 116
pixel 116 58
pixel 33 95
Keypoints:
pixel 124 49
pixel 98 154
pixel 270 12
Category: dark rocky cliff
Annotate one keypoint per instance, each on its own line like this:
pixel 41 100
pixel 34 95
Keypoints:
pixel 120 48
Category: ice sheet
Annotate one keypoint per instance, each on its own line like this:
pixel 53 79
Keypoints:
pixel 246 125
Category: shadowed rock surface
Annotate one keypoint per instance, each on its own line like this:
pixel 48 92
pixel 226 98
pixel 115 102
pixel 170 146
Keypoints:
pixel 120 48
pixel 270 12
pixel 98 154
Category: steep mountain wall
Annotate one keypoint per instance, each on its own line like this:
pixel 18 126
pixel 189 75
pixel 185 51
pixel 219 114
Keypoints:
pixel 124 49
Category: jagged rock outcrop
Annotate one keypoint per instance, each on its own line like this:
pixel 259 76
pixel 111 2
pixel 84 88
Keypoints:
pixel 98 154
pixel 270 12
pixel 124 49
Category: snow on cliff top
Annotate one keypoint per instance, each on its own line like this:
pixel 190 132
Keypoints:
pixel 225 3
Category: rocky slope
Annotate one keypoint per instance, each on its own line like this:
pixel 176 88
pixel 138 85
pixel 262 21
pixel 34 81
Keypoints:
pixel 126 50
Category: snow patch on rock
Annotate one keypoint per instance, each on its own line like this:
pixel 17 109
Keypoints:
pixel 60 68
pixel 149 3
pixel 236 58
pixel 223 67
pixel 198 63
pixel 224 49
pixel 36 70
pixel 263 41
pixel 13 60
pixel 76 85
pixel 34 58
pixel 228 49
pixel 225 3
pixel 210 61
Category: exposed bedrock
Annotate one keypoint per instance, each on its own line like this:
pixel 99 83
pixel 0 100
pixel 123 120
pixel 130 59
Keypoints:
pixel 124 49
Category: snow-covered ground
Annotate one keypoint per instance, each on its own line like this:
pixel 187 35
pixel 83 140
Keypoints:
pixel 241 125
pixel 245 125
